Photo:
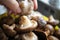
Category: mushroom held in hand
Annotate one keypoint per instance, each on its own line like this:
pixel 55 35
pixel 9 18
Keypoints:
pixel 26 25
pixel 26 36
pixel 53 21
pixel 26 6
pixel 9 30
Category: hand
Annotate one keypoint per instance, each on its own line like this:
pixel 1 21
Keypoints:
pixel 35 4
pixel 14 6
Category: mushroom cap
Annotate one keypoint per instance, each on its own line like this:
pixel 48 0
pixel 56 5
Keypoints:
pixel 52 38
pixel 9 30
pixel 53 21
pixel 35 15
pixel 26 25
pixel 26 6
pixel 27 36
pixel 30 36
pixel 57 33
pixel 50 28
pixel 46 32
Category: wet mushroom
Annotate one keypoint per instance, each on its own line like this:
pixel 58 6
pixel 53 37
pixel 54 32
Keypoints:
pixel 41 22
pixel 2 35
pixel 53 21
pixel 9 30
pixel 46 32
pixel 26 36
pixel 26 25
pixel 26 6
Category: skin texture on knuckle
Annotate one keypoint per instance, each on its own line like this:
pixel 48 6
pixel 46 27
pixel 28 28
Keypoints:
pixel 11 4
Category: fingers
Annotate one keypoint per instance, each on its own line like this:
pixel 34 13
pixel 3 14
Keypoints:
pixel 13 5
pixel 35 4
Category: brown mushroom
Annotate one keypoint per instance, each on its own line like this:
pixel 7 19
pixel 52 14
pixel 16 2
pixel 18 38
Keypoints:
pixel 2 35
pixel 57 33
pixel 50 28
pixel 26 6
pixel 53 21
pixel 46 32
pixel 26 36
pixel 9 30
pixel 7 20
pixel 26 25
pixel 35 15
pixel 52 38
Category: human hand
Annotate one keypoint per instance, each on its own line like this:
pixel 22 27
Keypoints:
pixel 14 6
pixel 35 4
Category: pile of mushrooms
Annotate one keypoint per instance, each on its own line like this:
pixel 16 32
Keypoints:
pixel 29 25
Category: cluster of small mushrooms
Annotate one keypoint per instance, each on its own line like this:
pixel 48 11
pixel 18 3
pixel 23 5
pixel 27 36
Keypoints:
pixel 29 25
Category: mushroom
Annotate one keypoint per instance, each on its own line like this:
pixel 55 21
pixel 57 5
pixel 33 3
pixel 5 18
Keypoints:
pixel 26 36
pixel 53 21
pixel 2 35
pixel 57 33
pixel 42 22
pixel 9 30
pixel 7 20
pixel 46 32
pixel 35 15
pixel 50 28
pixel 52 38
pixel 26 25
pixel 41 35
pixel 26 6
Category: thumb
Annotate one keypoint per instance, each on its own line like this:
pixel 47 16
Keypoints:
pixel 35 4
pixel 12 4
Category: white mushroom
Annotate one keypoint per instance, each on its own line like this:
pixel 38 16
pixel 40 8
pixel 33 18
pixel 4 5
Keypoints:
pixel 35 15
pixel 50 28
